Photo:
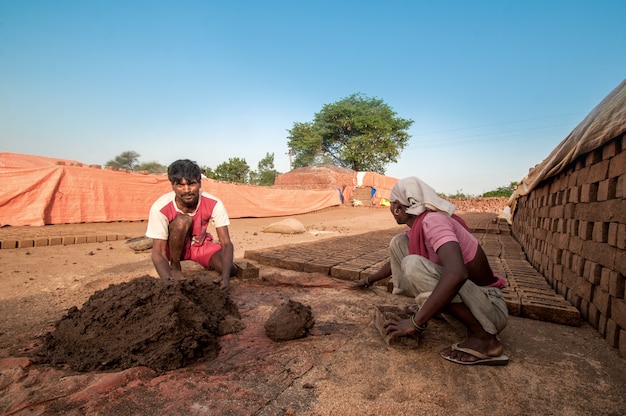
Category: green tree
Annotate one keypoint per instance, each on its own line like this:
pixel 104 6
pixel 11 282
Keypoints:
pixel 357 132
pixel 125 160
pixel 265 174
pixel 235 170
pixel 151 167
pixel 505 191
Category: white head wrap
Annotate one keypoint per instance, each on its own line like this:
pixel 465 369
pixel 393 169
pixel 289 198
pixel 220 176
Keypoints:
pixel 418 197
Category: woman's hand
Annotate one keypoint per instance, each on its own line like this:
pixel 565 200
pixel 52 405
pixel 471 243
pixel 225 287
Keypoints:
pixel 398 327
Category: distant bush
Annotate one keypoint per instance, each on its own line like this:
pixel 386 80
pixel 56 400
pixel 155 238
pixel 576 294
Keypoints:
pixel 458 195
pixel 503 191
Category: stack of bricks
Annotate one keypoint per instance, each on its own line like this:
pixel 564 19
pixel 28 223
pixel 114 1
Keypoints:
pixel 573 229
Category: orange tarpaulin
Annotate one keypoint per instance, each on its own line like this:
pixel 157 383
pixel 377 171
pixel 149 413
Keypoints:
pixel 38 190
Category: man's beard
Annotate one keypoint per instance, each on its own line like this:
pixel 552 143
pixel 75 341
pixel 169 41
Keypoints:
pixel 189 204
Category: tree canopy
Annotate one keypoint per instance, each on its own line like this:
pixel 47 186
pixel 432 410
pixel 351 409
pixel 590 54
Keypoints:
pixel 130 160
pixel 506 191
pixel 266 173
pixel 125 160
pixel 235 170
pixel 357 132
pixel 151 167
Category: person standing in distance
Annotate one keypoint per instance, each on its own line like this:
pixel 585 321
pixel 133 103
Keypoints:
pixel 178 224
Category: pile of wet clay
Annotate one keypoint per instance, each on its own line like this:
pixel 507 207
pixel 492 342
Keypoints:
pixel 291 320
pixel 161 324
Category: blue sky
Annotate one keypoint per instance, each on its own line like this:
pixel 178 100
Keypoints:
pixel 492 86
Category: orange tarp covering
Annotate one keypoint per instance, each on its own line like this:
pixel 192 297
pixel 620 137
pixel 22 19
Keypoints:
pixel 383 184
pixel 38 190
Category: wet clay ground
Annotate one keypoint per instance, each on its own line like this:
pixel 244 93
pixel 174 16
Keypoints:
pixel 342 366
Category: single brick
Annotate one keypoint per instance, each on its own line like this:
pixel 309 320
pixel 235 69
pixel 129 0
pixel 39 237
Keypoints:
pixel 316 268
pixel 41 242
pixel 246 270
pixel 574 299
pixel 598 171
pixel 601 300
pixel 101 238
pixel 589 192
pixel 92 239
pixel 616 284
pixel 594 316
pixel 593 272
pixel 55 241
pixel 344 272
pixel 612 333
pixel 69 240
pixel 290 264
pixel 618 311
pixel 610 149
pixel 574 195
pixel 620 188
pixel 617 165
pixel 620 262
pixel 606 189
pixel 25 243
pixel 585 230
pixel 600 253
pixel 612 234
pixel 6 244
pixel 593 157
pixel 600 232
pixel 604 279
pixel 80 239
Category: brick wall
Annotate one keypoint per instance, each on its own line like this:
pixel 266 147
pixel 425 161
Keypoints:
pixel 573 230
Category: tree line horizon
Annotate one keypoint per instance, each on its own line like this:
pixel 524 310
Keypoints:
pixel 357 132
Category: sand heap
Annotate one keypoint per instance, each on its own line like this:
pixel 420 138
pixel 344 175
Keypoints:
pixel 149 322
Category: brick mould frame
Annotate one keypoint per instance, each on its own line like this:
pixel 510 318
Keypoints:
pixel 573 229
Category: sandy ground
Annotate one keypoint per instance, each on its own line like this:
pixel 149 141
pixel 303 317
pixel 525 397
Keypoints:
pixel 342 368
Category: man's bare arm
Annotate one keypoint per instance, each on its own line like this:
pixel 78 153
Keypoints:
pixel 159 259
pixel 227 253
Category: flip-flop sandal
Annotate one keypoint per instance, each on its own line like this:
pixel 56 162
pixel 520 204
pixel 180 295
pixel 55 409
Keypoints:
pixel 482 359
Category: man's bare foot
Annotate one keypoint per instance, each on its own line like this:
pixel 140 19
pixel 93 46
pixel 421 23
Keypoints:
pixel 177 275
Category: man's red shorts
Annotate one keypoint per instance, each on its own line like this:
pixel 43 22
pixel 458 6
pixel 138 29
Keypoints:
pixel 200 250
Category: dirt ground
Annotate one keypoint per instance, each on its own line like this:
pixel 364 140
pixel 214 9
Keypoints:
pixel 342 367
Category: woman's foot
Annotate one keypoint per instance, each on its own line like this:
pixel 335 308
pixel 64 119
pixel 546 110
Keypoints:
pixel 476 351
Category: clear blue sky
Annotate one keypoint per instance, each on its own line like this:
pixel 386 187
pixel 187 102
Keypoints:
pixel 492 86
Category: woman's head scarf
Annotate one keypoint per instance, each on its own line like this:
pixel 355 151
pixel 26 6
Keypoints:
pixel 418 197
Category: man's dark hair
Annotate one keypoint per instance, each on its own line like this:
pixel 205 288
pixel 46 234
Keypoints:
pixel 184 169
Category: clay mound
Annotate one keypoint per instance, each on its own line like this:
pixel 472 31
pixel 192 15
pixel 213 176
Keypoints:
pixel 291 320
pixel 161 324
